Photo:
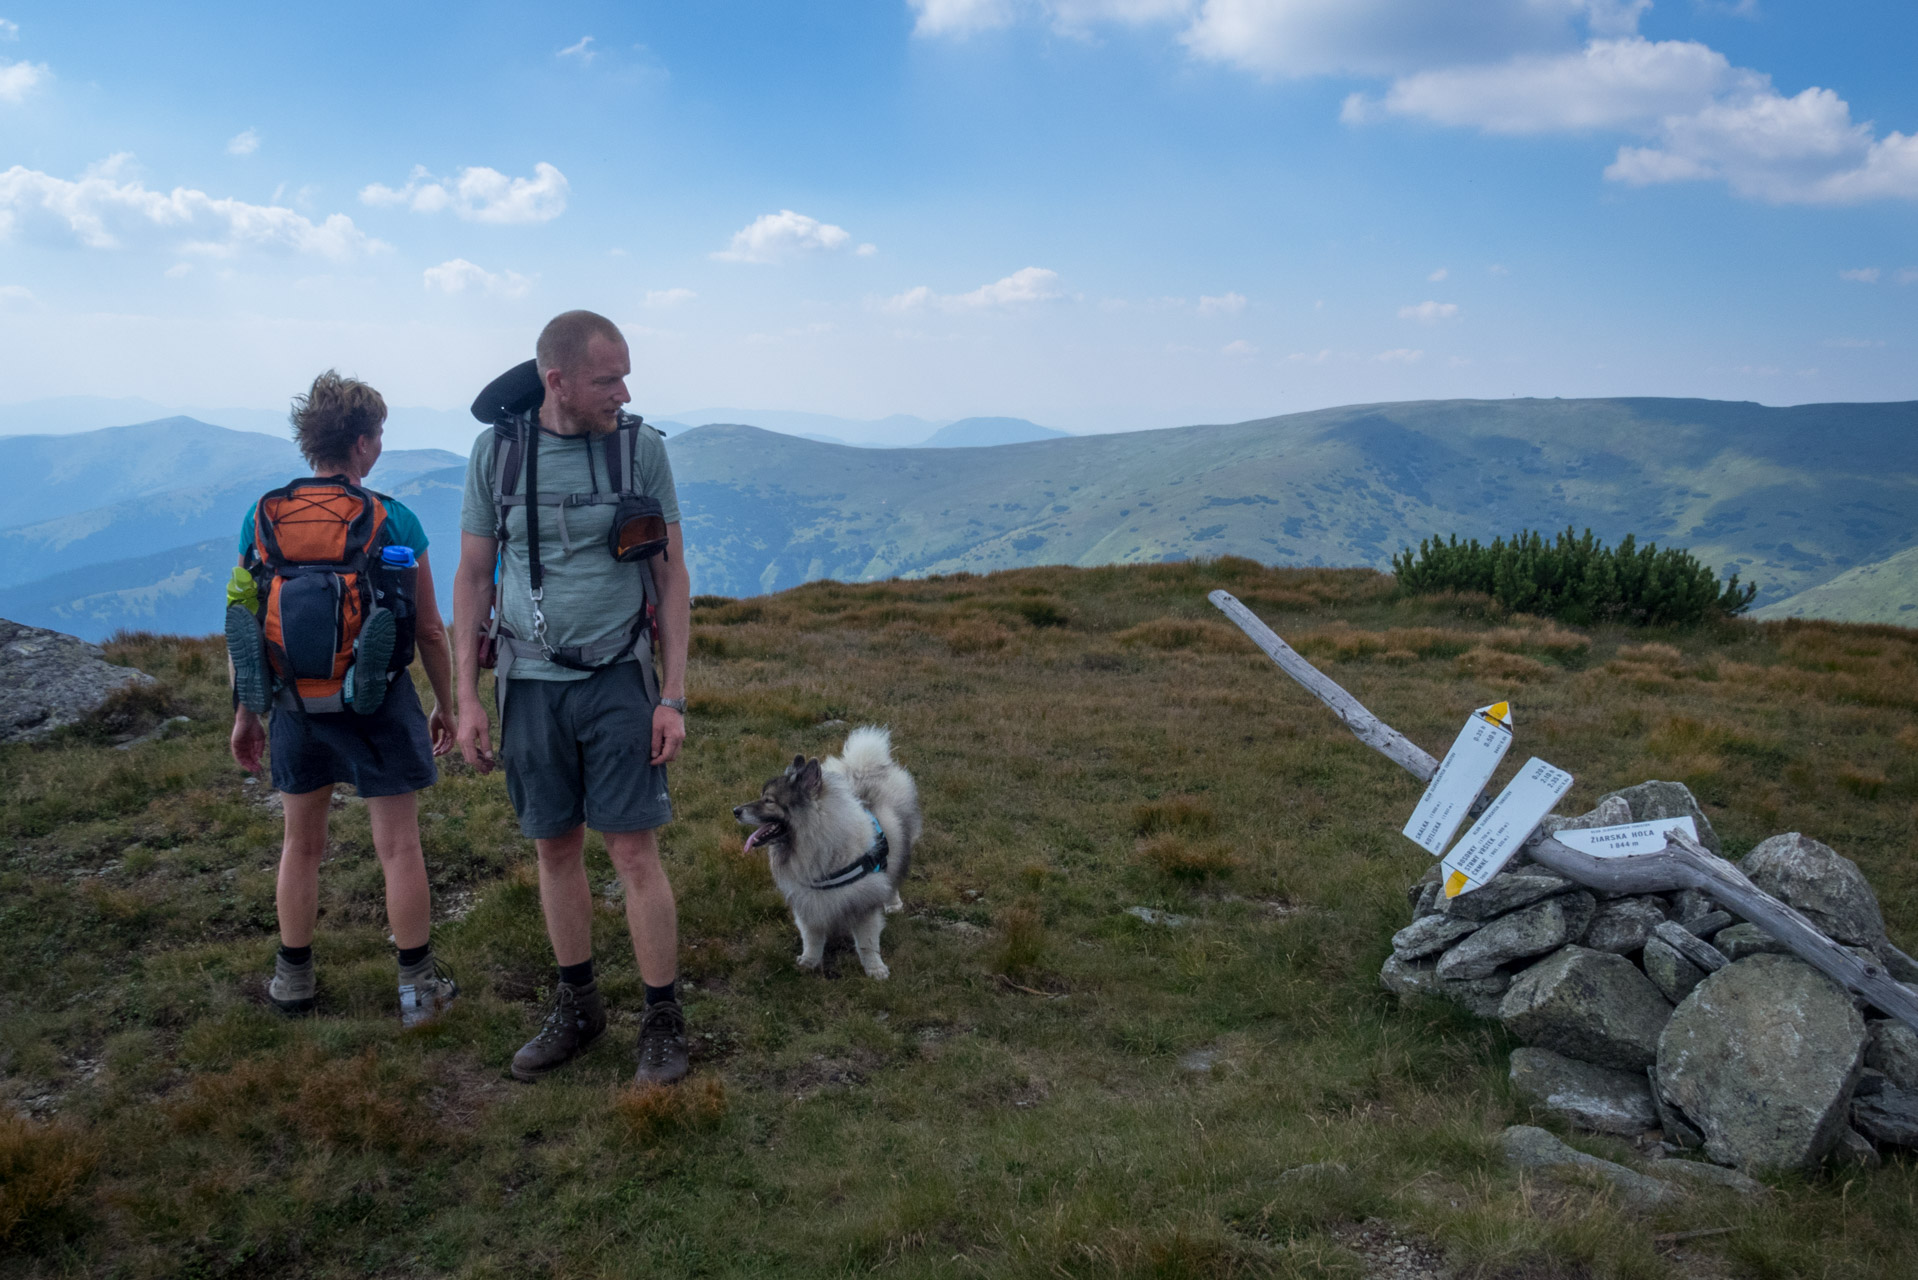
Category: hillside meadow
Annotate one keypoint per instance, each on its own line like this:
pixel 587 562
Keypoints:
pixel 1049 1085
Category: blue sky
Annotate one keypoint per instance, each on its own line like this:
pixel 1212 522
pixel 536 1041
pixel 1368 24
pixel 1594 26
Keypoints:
pixel 1097 214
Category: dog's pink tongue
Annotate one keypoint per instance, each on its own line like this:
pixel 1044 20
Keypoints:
pixel 754 838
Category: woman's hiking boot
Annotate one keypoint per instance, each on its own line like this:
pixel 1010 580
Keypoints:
pixel 246 646
pixel 373 652
pixel 662 1044
pixel 426 991
pixel 292 987
pixel 578 1018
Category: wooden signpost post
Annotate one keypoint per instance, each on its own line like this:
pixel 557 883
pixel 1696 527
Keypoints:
pixel 1681 862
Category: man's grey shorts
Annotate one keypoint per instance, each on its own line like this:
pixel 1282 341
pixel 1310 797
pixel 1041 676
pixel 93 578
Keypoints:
pixel 581 751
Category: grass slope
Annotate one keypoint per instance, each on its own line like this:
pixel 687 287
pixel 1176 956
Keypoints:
pixel 1886 591
pixel 1786 497
pixel 1048 1085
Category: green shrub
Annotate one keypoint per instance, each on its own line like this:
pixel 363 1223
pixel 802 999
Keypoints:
pixel 1578 579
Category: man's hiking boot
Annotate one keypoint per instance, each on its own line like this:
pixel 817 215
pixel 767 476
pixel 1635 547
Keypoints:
pixel 246 645
pixel 662 1044
pixel 577 1019
pixel 426 991
pixel 373 651
pixel 292 987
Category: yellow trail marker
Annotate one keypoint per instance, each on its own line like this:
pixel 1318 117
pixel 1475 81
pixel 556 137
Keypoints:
pixel 1467 767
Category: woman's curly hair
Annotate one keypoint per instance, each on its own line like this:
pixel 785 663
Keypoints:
pixel 332 415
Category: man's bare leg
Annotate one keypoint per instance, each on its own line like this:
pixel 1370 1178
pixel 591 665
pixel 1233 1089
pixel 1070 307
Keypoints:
pixel 652 916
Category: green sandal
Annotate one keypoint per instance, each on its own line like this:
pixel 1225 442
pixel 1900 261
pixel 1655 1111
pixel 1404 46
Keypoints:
pixel 374 650
pixel 246 646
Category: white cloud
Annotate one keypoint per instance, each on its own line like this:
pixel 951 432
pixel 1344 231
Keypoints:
pixel 774 237
pixel 479 194
pixel 1429 312
pixel 866 250
pixel 18 79
pixel 583 50
pixel 103 209
pixel 459 275
pixel 1627 83
pixel 9 30
pixel 1310 357
pixel 1438 275
pixel 1400 355
pixel 178 271
pixel 1026 285
pixel 1907 275
pixel 960 17
pixel 1863 275
pixel 1385 37
pixel 15 293
pixel 1239 347
pixel 1229 304
pixel 244 143
pixel 658 299
pixel 1498 269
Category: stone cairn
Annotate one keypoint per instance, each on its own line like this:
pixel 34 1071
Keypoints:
pixel 1660 1017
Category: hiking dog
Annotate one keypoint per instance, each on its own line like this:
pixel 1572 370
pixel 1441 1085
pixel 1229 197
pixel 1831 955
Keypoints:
pixel 839 835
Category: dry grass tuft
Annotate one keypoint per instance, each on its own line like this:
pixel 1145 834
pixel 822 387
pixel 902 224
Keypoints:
pixel 1174 813
pixel 1022 940
pixel 652 1112
pixel 976 635
pixel 1493 664
pixel 1201 635
pixel 41 1169
pixel 1651 654
pixel 1863 783
pixel 1177 858
pixel 357 1104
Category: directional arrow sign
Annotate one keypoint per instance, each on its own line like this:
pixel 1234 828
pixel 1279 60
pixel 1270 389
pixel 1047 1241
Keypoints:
pixel 1627 838
pixel 1463 773
pixel 1501 829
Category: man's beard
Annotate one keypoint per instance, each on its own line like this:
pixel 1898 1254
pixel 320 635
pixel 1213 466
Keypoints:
pixel 587 426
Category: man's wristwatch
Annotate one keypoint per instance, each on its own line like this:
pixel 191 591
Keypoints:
pixel 677 704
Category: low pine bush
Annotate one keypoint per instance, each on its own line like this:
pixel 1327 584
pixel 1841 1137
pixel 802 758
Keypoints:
pixel 1577 579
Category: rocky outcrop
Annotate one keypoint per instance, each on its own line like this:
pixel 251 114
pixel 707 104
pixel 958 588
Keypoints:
pixel 1591 1097
pixel 1824 884
pixel 1761 1059
pixel 1590 1005
pixel 49 680
pixel 1649 800
pixel 1528 1147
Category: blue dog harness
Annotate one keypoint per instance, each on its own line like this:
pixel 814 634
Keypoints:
pixel 873 859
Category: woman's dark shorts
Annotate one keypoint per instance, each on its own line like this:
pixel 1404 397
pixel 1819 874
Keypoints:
pixel 388 753
pixel 580 751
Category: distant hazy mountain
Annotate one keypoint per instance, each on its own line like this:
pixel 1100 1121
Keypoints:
pixel 897 431
pixel 968 433
pixel 61 475
pixel 1884 591
pixel 409 425
pixel 1790 498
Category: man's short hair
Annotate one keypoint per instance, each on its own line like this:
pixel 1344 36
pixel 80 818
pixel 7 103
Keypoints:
pixel 333 414
pixel 562 343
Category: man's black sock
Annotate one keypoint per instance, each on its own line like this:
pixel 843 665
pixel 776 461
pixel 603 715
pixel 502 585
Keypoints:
pixel 576 975
pixel 410 957
pixel 297 955
pixel 656 994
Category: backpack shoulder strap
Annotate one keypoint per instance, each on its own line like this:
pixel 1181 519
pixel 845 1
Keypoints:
pixel 509 451
pixel 621 447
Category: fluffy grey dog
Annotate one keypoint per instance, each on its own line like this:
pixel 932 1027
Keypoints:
pixel 839 835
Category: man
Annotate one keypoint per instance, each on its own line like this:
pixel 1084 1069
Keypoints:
pixel 585 738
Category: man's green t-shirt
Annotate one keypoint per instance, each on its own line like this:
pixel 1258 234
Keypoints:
pixel 589 596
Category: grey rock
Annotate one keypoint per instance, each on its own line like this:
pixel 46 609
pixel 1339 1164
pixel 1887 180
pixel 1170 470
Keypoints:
pixel 1761 1058
pixel 1827 886
pixel 1581 908
pixel 1691 904
pixel 1611 811
pixel 1688 944
pixel 1595 1098
pixel 1854 1148
pixel 1742 940
pixel 1708 924
pixel 1682 1133
pixel 1900 966
pixel 1670 972
pixel 1153 915
pixel 1429 935
pixel 1623 924
pixel 1423 896
pixel 1870 1081
pixel 49 680
pixel 169 728
pixel 1650 800
pixel 1530 931
pixel 1894 1051
pixel 1529 1147
pixel 1698 1174
pixel 1478 996
pixel 1888 1117
pixel 1589 1005
pixel 1505 892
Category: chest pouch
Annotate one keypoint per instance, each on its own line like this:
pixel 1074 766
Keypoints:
pixel 639 529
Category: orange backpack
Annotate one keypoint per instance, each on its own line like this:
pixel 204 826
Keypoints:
pixel 316 551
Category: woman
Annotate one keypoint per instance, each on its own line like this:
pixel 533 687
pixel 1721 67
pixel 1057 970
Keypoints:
pixel 386 755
